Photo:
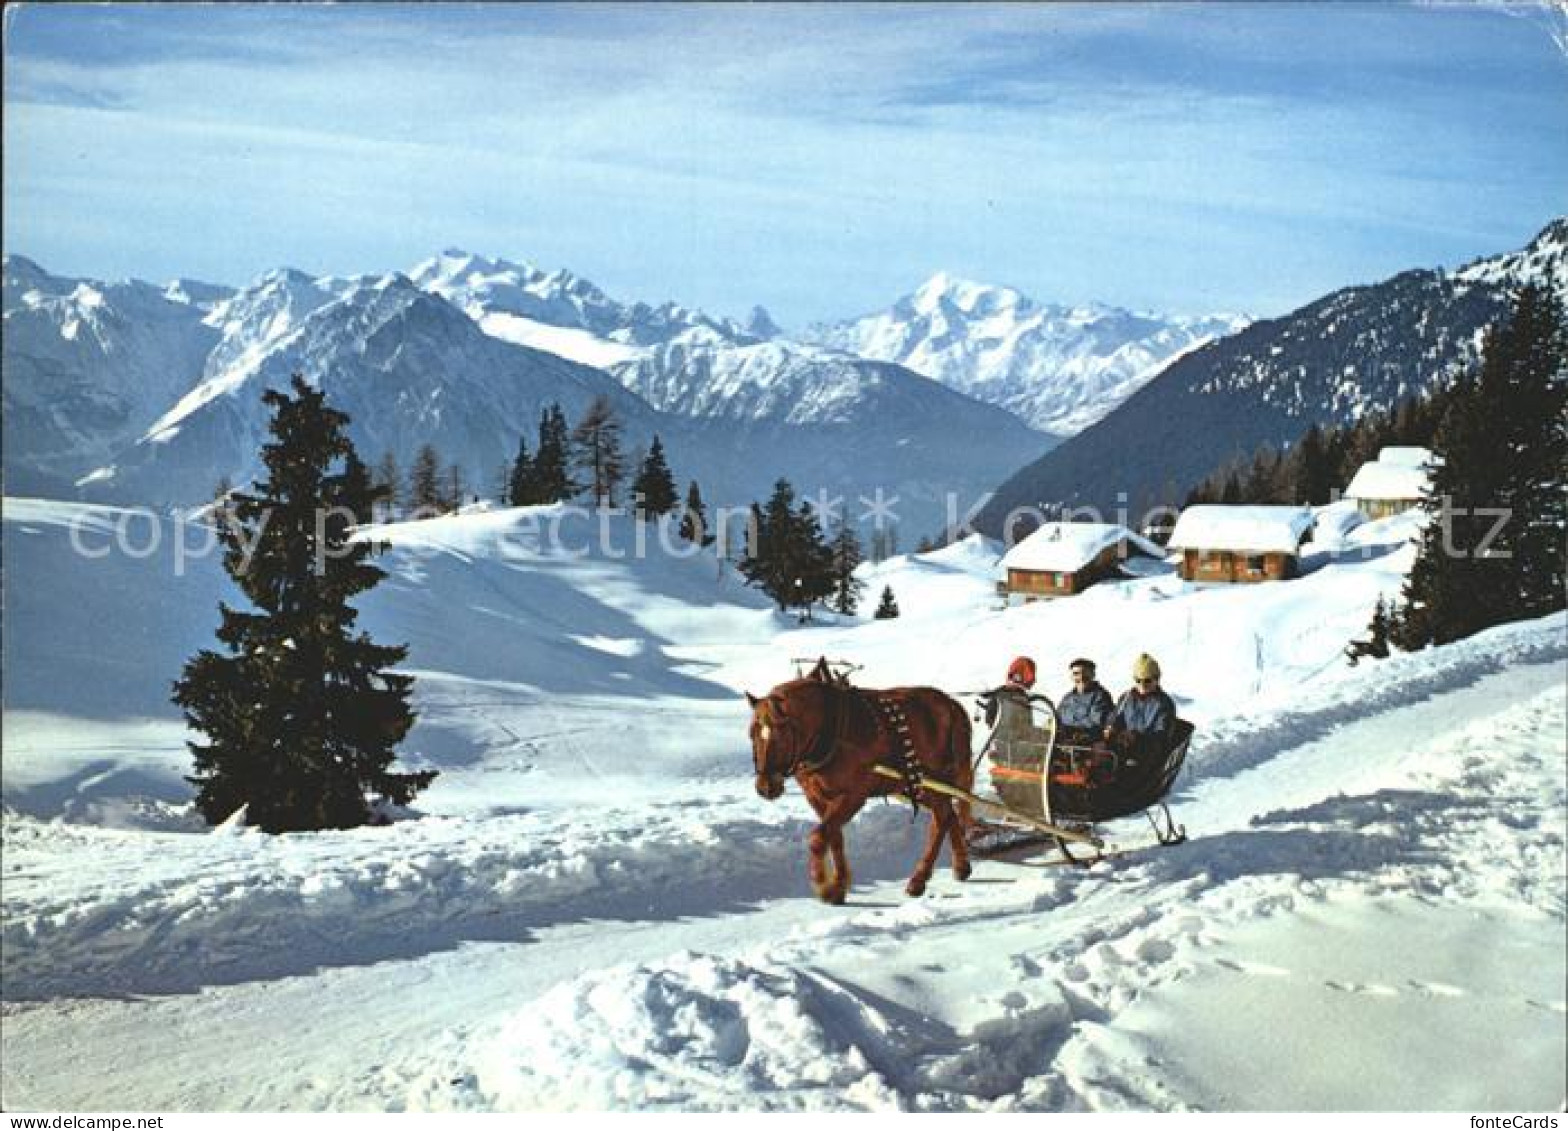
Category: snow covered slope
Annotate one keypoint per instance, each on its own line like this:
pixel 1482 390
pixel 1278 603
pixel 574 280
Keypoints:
pixel 514 300
pixel 1059 368
pixel 596 911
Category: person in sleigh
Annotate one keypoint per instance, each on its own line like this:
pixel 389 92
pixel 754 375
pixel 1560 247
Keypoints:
pixel 1145 716
pixel 1086 709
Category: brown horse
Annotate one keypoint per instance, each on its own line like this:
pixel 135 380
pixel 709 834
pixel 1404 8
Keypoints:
pixel 828 736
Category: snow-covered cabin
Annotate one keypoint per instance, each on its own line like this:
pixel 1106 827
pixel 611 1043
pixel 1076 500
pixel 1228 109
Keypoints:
pixel 1392 483
pixel 1063 558
pixel 1241 543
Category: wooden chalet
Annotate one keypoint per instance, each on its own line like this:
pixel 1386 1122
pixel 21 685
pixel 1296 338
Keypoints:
pixel 1240 543
pixel 1392 483
pixel 1061 559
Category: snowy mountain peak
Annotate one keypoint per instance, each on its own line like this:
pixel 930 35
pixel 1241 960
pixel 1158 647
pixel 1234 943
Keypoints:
pixel 521 303
pixel 1543 261
pixel 945 289
pixel 269 307
pixel 22 274
pixel 1059 368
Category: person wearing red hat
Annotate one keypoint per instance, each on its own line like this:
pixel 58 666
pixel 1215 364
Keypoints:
pixel 1012 698
pixel 1016 741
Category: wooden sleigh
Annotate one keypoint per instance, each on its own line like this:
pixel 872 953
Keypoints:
pixel 1053 784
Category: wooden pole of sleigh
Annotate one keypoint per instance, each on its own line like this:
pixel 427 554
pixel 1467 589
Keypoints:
pixel 1001 810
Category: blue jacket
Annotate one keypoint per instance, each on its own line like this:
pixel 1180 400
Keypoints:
pixel 1138 713
pixel 1090 708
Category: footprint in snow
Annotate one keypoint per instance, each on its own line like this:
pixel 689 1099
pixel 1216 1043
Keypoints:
pixel 1253 968
pixel 1436 989
pixel 1549 1006
pixel 1368 989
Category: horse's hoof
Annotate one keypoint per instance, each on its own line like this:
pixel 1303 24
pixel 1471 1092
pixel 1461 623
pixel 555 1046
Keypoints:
pixel 915 889
pixel 963 872
pixel 836 898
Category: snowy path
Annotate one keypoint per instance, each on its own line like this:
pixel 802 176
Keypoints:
pixel 1280 944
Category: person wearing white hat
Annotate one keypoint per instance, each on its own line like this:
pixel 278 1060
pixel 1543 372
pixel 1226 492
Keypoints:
pixel 1144 713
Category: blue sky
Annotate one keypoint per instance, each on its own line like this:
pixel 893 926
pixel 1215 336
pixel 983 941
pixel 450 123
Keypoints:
pixel 820 160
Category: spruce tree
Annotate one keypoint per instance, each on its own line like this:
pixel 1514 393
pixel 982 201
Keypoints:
pixel 1310 472
pixel 847 588
pixel 887 607
pixel 1492 548
pixel 523 482
pixel 1377 641
pixel 1442 596
pixel 1524 392
pixel 787 558
pixel 359 485
pixel 299 714
pixel 694 518
pixel 552 463
pixel 596 450
pixel 424 482
pixel 653 492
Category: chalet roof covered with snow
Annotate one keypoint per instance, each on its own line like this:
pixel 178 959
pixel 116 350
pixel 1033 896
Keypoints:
pixel 1069 546
pixel 1397 473
pixel 1405 456
pixel 1255 529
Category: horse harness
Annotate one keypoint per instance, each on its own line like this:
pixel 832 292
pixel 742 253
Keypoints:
pixel 890 717
pixel 891 712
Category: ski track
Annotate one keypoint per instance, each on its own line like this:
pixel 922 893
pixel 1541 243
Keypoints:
pixel 1059 967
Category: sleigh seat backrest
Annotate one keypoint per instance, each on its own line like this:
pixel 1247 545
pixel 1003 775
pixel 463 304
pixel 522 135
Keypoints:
pixel 1018 740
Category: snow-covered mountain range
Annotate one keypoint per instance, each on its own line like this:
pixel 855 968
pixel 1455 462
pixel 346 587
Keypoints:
pixel 681 361
pixel 562 313
pixel 89 366
pixel 153 402
pixel 1060 368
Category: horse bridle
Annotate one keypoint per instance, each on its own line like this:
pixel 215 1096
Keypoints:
pixel 822 749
